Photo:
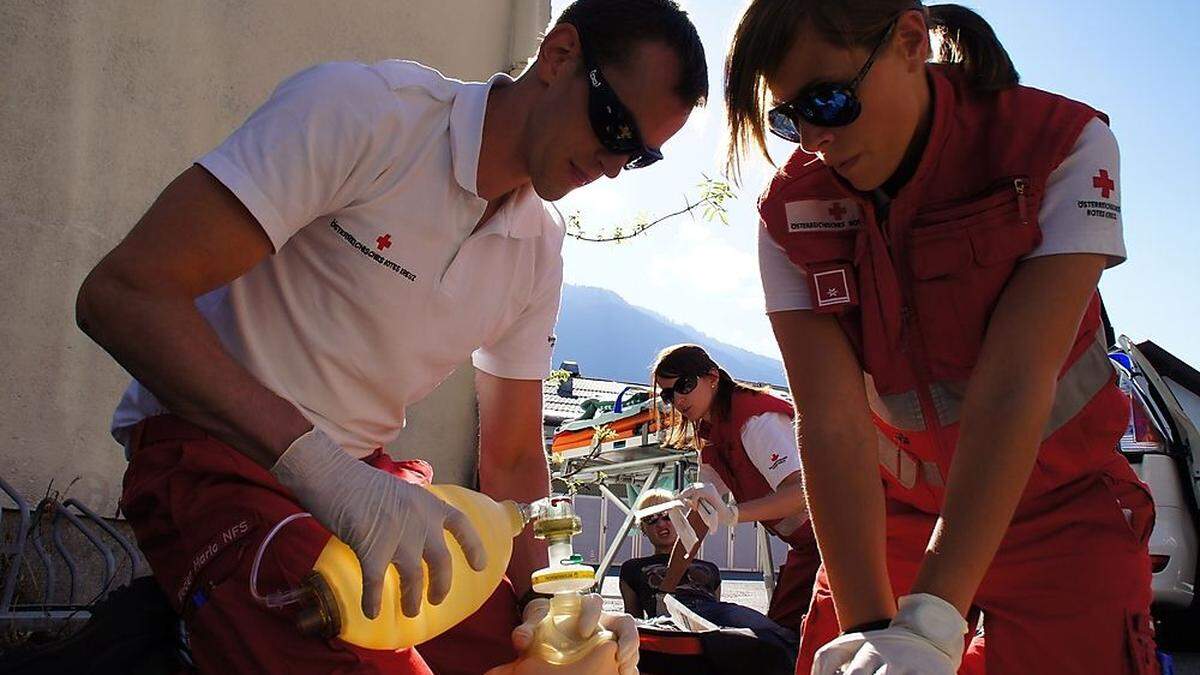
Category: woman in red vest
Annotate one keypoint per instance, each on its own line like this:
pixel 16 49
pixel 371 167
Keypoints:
pixel 750 469
pixel 942 230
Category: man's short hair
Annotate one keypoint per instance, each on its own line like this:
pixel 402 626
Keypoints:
pixel 612 28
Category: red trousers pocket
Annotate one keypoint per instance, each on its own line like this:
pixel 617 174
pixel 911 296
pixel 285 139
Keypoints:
pixel 199 510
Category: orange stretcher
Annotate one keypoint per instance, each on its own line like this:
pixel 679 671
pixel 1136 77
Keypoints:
pixel 622 425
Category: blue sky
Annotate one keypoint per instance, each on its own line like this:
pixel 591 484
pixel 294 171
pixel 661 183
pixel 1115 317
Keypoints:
pixel 1135 61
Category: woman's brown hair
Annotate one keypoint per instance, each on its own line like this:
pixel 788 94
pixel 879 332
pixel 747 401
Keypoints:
pixel 768 29
pixel 687 359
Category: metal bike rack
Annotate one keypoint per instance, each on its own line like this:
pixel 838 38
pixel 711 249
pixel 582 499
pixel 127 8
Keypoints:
pixel 30 534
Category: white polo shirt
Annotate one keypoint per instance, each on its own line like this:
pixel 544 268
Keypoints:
pixel 363 176
pixel 769 440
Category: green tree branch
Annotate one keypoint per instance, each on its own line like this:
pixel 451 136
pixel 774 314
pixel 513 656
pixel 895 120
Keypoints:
pixel 712 202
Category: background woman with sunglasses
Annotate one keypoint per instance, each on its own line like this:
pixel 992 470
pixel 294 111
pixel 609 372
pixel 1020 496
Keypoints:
pixel 750 469
pixel 949 220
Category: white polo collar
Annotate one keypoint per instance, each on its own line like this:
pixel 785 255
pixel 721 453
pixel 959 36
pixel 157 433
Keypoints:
pixel 466 128
pixel 524 213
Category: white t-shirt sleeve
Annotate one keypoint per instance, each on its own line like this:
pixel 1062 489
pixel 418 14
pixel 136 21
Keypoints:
pixel 785 286
pixel 770 442
pixel 318 143
pixel 523 350
pixel 1081 208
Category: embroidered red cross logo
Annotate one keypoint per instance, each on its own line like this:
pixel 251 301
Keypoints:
pixel 837 211
pixel 384 241
pixel 1104 183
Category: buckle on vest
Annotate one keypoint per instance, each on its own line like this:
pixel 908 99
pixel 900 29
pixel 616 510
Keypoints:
pixel 832 287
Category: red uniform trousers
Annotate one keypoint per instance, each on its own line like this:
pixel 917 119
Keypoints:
pixel 1068 592
pixel 480 642
pixel 199 510
pixel 794 585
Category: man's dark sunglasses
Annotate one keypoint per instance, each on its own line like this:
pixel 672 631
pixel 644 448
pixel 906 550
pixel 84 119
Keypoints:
pixel 612 122
pixel 683 386
pixel 654 519
pixel 824 104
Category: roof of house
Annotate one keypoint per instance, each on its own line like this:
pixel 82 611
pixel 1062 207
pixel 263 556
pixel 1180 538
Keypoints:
pixel 557 408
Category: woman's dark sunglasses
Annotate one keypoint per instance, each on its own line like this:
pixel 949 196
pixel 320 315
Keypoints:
pixel 824 104
pixel 612 122
pixel 683 386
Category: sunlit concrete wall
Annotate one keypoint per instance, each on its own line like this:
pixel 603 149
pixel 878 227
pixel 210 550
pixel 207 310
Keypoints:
pixel 101 105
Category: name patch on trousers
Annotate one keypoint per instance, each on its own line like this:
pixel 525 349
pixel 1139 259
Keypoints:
pixel 218 543
pixel 823 215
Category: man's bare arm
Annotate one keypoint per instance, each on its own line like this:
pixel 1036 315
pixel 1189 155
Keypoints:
pixel 138 304
pixel 512 462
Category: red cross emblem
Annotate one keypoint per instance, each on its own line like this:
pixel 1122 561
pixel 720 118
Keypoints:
pixel 1104 183
pixel 837 211
pixel 384 241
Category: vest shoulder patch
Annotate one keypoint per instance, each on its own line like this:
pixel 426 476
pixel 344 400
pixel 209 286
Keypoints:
pixel 823 215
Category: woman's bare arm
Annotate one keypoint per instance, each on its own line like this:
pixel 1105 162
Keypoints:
pixel 840 457
pixel 1004 413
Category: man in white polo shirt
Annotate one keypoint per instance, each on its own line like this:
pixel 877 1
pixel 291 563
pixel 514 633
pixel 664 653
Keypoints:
pixel 285 299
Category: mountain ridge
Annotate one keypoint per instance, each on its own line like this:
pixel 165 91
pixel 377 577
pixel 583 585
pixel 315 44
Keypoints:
pixel 611 338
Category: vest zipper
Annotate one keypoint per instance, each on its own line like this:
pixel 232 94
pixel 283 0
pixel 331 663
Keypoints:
pixel 933 424
pixel 912 343
pixel 915 350
pixel 1019 184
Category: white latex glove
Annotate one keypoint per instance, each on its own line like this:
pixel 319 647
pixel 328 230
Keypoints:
pixel 591 616
pixel 382 518
pixel 712 507
pixel 926 637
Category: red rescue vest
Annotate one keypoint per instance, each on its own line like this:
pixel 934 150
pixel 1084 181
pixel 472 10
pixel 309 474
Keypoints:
pixel 914 291
pixel 723 451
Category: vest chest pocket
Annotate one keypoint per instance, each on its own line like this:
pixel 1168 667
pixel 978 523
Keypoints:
pixel 961 256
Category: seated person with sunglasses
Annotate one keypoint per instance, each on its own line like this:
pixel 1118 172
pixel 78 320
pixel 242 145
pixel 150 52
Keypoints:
pixel 367 230
pixel 749 466
pixel 700 588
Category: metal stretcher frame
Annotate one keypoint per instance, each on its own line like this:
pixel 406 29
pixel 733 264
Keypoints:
pixel 629 473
